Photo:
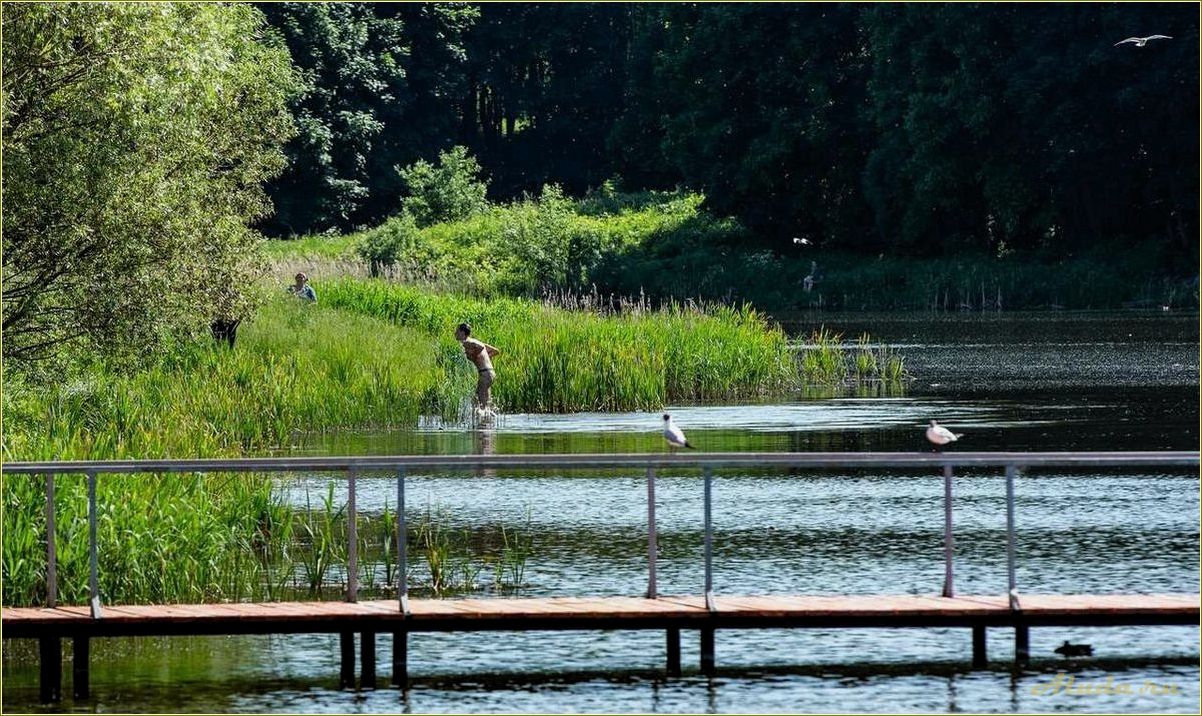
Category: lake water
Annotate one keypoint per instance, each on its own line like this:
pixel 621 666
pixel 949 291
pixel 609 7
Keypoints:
pixel 1009 382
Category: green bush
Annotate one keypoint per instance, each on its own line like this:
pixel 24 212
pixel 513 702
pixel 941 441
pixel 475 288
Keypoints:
pixel 382 246
pixel 664 245
pixel 448 192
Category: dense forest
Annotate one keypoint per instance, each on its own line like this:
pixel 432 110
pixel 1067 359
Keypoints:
pixel 682 150
pixel 913 129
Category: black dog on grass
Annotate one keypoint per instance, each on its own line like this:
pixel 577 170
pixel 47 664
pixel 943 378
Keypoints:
pixel 225 330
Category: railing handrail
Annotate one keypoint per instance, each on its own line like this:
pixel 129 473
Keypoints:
pixel 1013 462
pixel 620 460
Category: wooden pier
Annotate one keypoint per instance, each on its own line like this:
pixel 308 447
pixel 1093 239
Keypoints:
pixel 669 614
pixel 705 612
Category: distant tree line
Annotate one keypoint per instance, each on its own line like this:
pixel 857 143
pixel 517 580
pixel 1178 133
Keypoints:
pixel 143 143
pixel 915 129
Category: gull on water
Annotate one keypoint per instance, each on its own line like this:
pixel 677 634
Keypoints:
pixel 940 435
pixel 1141 41
pixel 801 241
pixel 674 435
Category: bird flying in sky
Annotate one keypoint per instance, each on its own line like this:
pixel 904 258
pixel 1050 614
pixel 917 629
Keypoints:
pixel 1141 41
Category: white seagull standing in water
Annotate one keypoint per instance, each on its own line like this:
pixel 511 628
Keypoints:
pixel 1142 41
pixel 940 435
pixel 801 242
pixel 674 435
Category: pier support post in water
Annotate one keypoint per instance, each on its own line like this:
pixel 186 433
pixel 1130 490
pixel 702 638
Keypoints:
pixel 673 652
pixel 346 675
pixel 367 654
pixel 50 678
pixel 707 652
pixel 979 656
pixel 1022 644
pixel 400 659
pixel 80 647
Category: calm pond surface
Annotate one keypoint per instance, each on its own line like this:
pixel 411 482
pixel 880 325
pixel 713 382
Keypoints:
pixel 1009 382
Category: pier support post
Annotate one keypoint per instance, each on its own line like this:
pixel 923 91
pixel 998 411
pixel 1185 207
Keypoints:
pixel 979 655
pixel 1022 644
pixel 673 652
pixel 400 659
pixel 367 654
pixel 346 675
pixel 81 648
pixel 50 678
pixel 707 652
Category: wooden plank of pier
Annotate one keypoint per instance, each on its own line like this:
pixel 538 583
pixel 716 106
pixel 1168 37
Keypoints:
pixel 732 612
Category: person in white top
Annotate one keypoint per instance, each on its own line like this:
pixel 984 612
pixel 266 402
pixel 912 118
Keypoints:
pixel 481 355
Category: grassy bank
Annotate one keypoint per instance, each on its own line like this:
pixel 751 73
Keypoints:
pixel 294 369
pixel 194 538
pixel 371 354
pixel 555 360
pixel 664 245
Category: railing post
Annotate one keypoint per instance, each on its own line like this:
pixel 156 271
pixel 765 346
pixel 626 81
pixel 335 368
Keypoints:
pixel 709 539
pixel 1012 579
pixel 400 637
pixel 352 540
pixel 948 589
pixel 51 557
pixel 652 591
pixel 93 549
pixel 707 632
pixel 402 543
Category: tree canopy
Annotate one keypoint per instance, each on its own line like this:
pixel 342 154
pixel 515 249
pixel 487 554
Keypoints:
pixel 915 129
pixel 142 140
pixel 137 138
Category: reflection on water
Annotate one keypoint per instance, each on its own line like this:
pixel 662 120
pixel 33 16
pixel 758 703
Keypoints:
pixel 1039 382
pixel 1133 418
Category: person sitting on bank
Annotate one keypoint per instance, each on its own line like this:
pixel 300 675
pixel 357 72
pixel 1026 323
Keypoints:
pixel 481 355
pixel 302 290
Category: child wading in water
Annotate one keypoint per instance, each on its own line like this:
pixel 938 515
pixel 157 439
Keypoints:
pixel 480 354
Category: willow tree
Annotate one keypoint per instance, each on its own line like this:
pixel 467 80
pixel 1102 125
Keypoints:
pixel 136 141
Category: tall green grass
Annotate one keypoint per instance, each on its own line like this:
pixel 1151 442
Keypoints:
pixel 826 361
pixel 161 539
pixel 213 538
pixel 296 368
pixel 554 360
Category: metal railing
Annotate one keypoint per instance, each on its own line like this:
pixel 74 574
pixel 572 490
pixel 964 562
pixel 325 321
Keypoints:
pixel 1011 462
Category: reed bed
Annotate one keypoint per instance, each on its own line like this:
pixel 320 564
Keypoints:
pixel 295 368
pixel 554 360
pixel 188 538
pixel 184 538
pixel 826 360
